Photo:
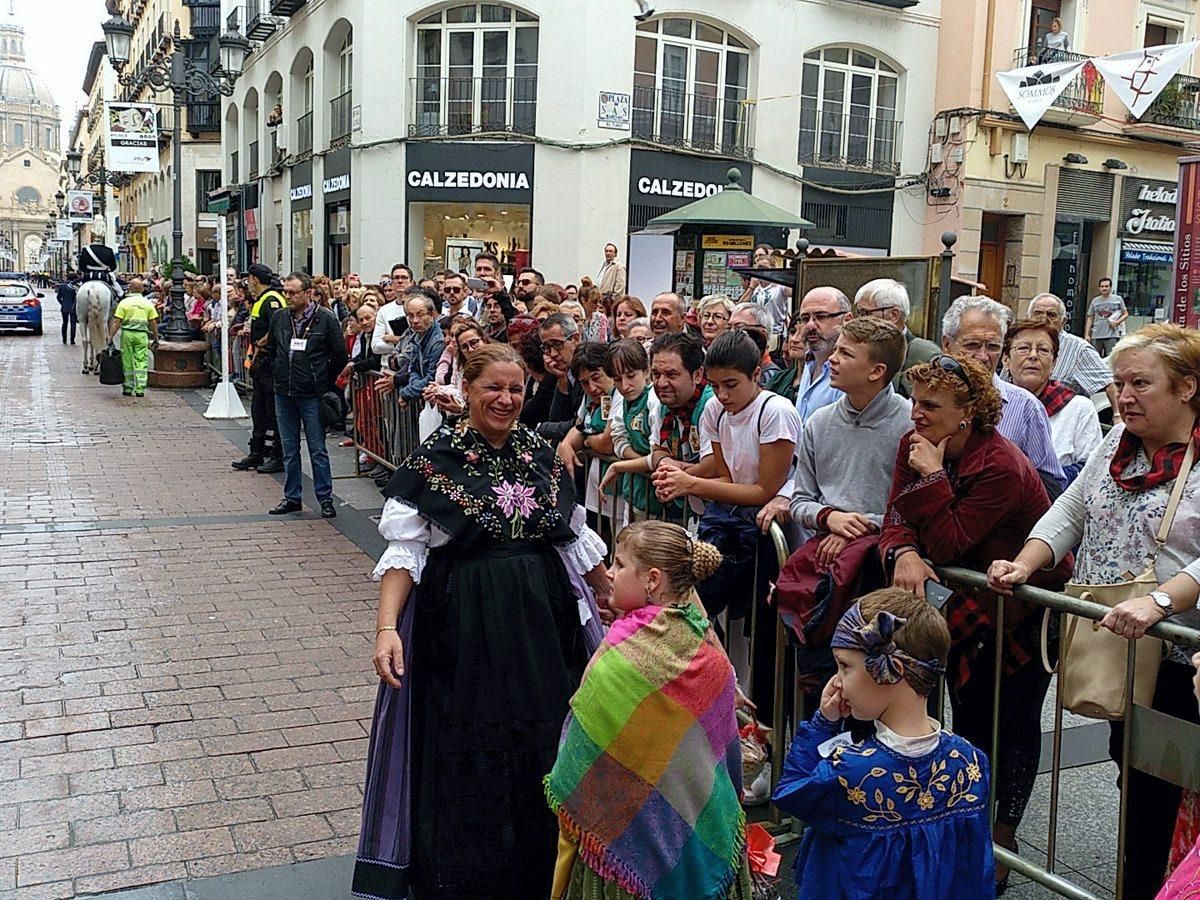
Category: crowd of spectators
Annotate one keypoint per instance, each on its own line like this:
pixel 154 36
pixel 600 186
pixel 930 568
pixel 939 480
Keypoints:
pixel 879 453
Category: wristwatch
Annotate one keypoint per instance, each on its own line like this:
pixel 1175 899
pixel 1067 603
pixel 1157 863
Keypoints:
pixel 1164 602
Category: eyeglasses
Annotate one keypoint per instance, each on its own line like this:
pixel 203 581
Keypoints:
pixel 527 282
pixel 805 318
pixel 554 346
pixel 470 344
pixel 976 346
pixel 954 367
pixel 874 311
pixel 713 317
pixel 447 289
pixel 1032 350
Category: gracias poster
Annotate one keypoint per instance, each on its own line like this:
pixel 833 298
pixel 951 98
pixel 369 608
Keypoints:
pixel 132 137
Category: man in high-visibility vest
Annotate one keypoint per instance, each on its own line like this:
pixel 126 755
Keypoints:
pixel 137 320
pixel 266 453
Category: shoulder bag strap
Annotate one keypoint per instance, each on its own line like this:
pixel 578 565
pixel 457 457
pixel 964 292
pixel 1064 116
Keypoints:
pixel 1164 529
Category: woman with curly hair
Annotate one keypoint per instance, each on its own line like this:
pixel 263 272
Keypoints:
pixel 963 495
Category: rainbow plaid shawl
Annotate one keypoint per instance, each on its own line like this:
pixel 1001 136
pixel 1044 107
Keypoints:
pixel 649 770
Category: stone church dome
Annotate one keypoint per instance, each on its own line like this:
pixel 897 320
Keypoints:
pixel 19 83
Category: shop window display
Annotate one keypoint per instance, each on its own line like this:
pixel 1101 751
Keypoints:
pixel 451 235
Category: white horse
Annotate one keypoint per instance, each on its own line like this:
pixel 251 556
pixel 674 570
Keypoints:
pixel 93 307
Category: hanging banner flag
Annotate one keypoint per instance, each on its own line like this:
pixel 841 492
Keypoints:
pixel 1139 76
pixel 132 138
pixel 79 207
pixel 1185 287
pixel 62 230
pixel 1033 89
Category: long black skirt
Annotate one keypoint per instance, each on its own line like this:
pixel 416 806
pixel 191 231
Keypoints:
pixel 497 652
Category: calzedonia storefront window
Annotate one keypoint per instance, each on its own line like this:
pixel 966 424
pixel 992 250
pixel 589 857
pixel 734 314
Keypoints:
pixel 466 199
pixel 302 231
pixel 335 191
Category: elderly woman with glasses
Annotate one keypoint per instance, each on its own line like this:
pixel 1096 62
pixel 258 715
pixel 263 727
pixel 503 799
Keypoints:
pixel 963 495
pixel 1031 348
pixel 715 311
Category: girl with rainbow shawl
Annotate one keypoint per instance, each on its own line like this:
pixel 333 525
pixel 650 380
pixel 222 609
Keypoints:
pixel 648 778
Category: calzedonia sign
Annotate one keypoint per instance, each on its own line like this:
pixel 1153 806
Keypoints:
pixel 672 180
pixel 469 172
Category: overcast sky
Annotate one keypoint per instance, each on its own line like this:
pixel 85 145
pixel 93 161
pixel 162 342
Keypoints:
pixel 58 38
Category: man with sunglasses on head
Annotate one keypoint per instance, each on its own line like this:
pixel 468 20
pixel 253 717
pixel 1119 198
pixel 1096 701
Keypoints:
pixel 822 312
pixel 975 326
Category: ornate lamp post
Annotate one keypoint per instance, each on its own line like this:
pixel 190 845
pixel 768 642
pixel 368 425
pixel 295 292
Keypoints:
pixel 182 78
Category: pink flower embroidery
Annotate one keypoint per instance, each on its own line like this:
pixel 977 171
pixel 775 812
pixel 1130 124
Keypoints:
pixel 514 498
pixel 526 457
pixel 472 457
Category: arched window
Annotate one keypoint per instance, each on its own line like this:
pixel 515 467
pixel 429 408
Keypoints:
pixel 689 83
pixel 848 111
pixel 28 195
pixel 476 71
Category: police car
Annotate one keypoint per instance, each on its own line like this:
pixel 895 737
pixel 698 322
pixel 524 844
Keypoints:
pixel 19 306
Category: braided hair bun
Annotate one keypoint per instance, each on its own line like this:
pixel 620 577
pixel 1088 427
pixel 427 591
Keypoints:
pixel 669 548
pixel 706 559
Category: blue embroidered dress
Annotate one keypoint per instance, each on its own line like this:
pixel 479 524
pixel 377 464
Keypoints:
pixel 884 824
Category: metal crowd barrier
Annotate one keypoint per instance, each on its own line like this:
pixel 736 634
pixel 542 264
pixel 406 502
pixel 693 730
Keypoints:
pixel 239 365
pixel 1157 744
pixel 383 430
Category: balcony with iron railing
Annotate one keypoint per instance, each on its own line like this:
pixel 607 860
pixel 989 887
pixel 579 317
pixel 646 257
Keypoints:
pixel 233 167
pixel 203 117
pixel 450 106
pixel 252 168
pixel 260 25
pixel 276 151
pixel 304 134
pixel 205 19
pixel 339 119
pixel 286 7
pixel 1082 101
pixel 855 141
pixel 701 122
pixel 1175 113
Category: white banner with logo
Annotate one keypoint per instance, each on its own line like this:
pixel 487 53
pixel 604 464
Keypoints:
pixel 62 230
pixel 79 207
pixel 1139 76
pixel 1033 89
pixel 132 137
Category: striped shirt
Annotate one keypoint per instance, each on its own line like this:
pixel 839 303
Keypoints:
pixel 1025 423
pixel 1079 366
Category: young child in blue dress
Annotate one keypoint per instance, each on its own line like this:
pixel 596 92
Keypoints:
pixel 902 814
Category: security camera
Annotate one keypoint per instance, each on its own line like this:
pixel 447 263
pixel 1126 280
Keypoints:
pixel 646 10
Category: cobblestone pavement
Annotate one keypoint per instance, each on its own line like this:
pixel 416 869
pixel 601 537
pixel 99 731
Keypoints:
pixel 184 681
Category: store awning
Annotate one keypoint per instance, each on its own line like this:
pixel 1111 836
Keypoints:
pixel 732 206
pixel 1147 252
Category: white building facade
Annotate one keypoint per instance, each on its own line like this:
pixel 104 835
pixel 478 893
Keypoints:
pixel 365 132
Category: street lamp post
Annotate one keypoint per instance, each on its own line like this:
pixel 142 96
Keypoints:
pixel 182 78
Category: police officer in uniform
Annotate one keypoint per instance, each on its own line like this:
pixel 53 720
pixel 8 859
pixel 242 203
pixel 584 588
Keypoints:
pixel 266 454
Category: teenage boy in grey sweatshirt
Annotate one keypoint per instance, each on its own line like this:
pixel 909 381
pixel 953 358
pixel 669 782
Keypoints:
pixel 847 452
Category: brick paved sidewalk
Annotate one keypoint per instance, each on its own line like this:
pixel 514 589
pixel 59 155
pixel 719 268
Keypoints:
pixel 184 681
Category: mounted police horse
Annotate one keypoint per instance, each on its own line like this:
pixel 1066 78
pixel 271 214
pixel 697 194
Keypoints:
pixel 96 300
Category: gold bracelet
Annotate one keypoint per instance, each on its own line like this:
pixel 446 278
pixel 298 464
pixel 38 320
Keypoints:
pixel 382 628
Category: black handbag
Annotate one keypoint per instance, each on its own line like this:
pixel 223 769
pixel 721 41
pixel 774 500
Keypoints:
pixel 111 370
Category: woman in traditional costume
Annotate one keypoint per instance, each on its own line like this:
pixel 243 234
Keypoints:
pixel 483 631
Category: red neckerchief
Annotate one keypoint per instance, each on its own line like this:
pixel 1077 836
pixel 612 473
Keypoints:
pixel 1055 396
pixel 684 416
pixel 1163 467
